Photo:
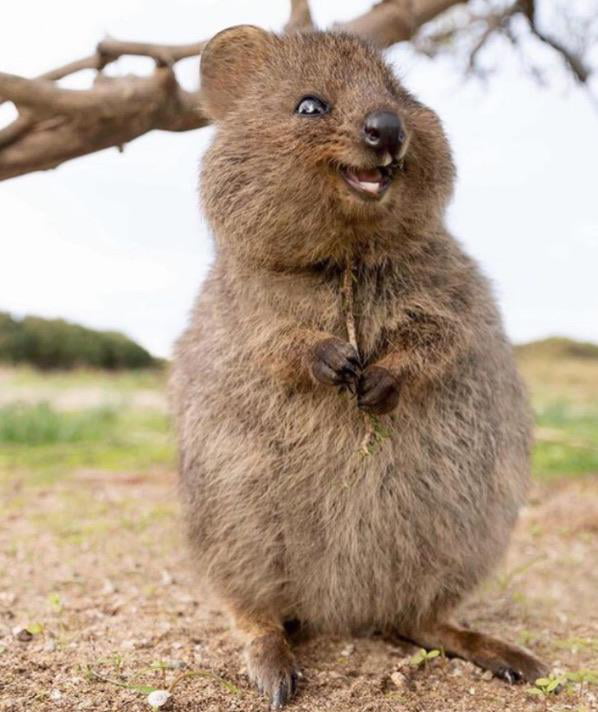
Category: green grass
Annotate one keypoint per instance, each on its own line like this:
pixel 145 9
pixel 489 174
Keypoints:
pixel 40 424
pixel 566 439
pixel 564 393
pixel 124 381
pixel 44 444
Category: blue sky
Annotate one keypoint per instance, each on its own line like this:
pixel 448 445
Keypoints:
pixel 118 241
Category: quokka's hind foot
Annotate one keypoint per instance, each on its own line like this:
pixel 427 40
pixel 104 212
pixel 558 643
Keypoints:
pixel 508 662
pixel 271 665
pixel 272 668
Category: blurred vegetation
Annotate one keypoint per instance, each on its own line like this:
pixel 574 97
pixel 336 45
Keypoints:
pixel 566 440
pixel 55 424
pixel 58 344
pixel 562 376
pixel 557 347
pixel 40 424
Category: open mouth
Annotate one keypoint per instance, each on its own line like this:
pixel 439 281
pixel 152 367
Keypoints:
pixel 370 183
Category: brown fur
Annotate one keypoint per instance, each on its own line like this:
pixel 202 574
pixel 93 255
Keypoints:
pixel 285 518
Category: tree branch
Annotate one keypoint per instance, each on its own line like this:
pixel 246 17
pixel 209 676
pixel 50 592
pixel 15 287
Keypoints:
pixel 392 21
pixel 496 22
pixel 55 124
pixel 15 130
pixel 300 18
pixel 164 55
pixel 574 63
pixel 111 114
pixel 45 96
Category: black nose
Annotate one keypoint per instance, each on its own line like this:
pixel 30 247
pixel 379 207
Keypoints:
pixel 382 131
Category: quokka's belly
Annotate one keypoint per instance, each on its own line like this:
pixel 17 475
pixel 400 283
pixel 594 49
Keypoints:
pixel 290 513
pixel 418 522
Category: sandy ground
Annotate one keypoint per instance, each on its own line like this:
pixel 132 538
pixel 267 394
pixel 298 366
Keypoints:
pixel 94 566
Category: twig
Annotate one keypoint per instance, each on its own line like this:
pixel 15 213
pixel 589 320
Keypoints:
pixel 374 432
pixel 347 292
pixel 231 687
pixel 126 685
pixel 575 64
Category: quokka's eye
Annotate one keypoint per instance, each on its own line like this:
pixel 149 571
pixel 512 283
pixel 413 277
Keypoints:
pixel 312 106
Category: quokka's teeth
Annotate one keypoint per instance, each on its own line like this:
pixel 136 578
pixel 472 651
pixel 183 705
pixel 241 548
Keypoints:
pixel 386 159
pixel 370 187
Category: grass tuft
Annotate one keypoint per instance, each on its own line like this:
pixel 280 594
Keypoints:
pixel 40 424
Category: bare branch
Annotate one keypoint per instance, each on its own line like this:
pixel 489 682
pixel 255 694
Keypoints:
pixel 300 18
pixel 427 10
pixel 392 21
pixel 15 130
pixel 573 62
pixel 109 50
pixel 114 112
pixel 479 45
pixel 495 22
pixel 94 61
pixel 164 55
pixel 56 124
pixel 44 95
pixel 500 22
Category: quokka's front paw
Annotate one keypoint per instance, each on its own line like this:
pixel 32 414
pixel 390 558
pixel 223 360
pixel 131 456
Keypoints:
pixel 272 668
pixel 378 390
pixel 335 362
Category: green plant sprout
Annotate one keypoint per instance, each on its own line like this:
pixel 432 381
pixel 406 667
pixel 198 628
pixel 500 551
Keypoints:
pixel 424 656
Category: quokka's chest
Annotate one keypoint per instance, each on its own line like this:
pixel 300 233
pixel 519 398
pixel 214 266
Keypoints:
pixel 330 302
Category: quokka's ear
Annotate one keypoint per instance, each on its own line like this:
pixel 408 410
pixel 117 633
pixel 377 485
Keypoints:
pixel 228 59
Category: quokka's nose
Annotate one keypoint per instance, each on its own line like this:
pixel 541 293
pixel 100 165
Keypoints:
pixel 382 131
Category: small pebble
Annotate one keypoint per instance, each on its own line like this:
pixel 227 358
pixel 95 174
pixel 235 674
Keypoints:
pixel 461 667
pixel 487 675
pixel 159 699
pixel 348 650
pixel 166 578
pixel 22 634
pixel 108 587
pixel 55 695
pixel 398 679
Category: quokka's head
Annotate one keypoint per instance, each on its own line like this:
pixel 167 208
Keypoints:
pixel 318 147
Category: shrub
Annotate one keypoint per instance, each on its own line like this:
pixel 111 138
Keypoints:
pixel 558 347
pixel 58 344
